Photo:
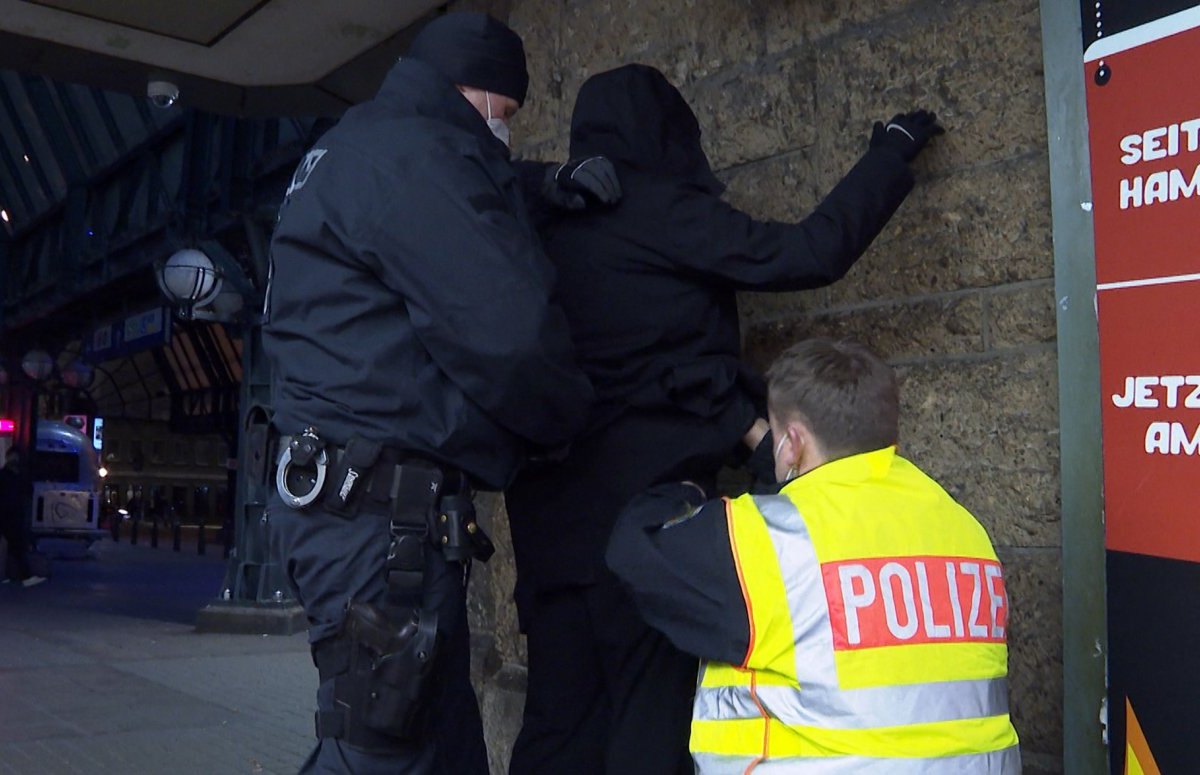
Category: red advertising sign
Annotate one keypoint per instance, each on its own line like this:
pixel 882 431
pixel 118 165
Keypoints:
pixel 1145 148
pixel 1144 139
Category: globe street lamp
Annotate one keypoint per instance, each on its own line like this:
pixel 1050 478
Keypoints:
pixel 37 365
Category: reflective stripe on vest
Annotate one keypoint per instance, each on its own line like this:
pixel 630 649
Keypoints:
pixel 877 622
pixel 1004 762
pixel 873 707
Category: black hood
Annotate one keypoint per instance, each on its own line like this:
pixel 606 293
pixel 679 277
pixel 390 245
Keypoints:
pixel 634 116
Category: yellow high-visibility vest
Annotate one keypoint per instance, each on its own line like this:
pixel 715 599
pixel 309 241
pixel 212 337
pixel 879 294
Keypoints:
pixel 877 614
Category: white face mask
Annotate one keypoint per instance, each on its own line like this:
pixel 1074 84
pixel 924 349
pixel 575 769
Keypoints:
pixel 498 126
pixel 791 472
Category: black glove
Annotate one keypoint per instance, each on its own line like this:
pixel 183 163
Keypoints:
pixel 906 133
pixel 571 185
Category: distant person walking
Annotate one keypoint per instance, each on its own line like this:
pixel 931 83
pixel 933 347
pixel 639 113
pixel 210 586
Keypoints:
pixel 14 521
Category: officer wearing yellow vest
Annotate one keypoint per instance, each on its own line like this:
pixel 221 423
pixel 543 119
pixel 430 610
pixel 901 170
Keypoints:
pixel 852 623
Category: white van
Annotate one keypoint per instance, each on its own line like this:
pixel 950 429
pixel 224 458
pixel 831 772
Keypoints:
pixel 66 484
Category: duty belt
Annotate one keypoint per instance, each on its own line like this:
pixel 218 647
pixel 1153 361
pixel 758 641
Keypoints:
pixel 315 468
pixel 422 499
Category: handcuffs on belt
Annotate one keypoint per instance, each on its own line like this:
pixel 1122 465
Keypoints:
pixel 304 461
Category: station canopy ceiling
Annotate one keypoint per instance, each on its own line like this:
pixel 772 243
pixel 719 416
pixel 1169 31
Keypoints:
pixel 52 133
pixel 73 110
pixel 237 57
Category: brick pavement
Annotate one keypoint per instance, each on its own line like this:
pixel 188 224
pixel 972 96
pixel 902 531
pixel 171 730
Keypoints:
pixel 102 672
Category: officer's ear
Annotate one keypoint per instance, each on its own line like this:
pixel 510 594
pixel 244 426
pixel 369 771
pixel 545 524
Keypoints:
pixel 806 446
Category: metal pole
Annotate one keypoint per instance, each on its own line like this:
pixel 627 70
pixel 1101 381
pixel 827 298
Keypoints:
pixel 1085 643
pixel 255 595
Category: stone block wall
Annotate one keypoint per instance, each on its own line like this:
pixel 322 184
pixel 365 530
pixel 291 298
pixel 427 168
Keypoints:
pixel 957 292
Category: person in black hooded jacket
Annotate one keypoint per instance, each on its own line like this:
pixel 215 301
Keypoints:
pixel 409 323
pixel 648 287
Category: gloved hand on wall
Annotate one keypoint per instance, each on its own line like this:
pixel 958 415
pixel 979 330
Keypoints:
pixel 906 133
pixel 573 185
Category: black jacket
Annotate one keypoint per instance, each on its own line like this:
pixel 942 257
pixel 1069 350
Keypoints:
pixel 409 301
pixel 671 549
pixel 649 289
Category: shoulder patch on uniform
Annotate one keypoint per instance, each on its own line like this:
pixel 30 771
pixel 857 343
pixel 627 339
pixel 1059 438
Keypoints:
pixel 306 167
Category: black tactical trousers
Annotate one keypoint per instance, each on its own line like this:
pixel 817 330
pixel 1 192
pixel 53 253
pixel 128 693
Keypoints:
pixel 607 694
pixel 330 560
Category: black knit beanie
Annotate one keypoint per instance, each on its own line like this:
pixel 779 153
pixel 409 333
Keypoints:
pixel 473 49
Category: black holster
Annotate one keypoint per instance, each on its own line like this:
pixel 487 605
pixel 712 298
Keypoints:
pixel 381 670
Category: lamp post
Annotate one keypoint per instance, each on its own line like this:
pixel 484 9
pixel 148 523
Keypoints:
pixel 255 596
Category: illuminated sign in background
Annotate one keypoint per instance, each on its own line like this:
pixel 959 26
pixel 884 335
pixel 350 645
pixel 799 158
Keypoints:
pixel 98 433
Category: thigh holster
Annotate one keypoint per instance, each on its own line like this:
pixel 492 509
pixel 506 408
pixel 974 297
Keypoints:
pixel 381 670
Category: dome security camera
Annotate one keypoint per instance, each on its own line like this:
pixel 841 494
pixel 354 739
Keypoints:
pixel 162 94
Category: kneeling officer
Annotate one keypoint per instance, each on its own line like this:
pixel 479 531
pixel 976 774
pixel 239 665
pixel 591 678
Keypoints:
pixel 856 621
pixel 415 355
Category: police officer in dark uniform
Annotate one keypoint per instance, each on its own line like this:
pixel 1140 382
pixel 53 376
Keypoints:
pixel 416 355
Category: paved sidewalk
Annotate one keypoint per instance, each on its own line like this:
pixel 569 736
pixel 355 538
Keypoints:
pixel 101 671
